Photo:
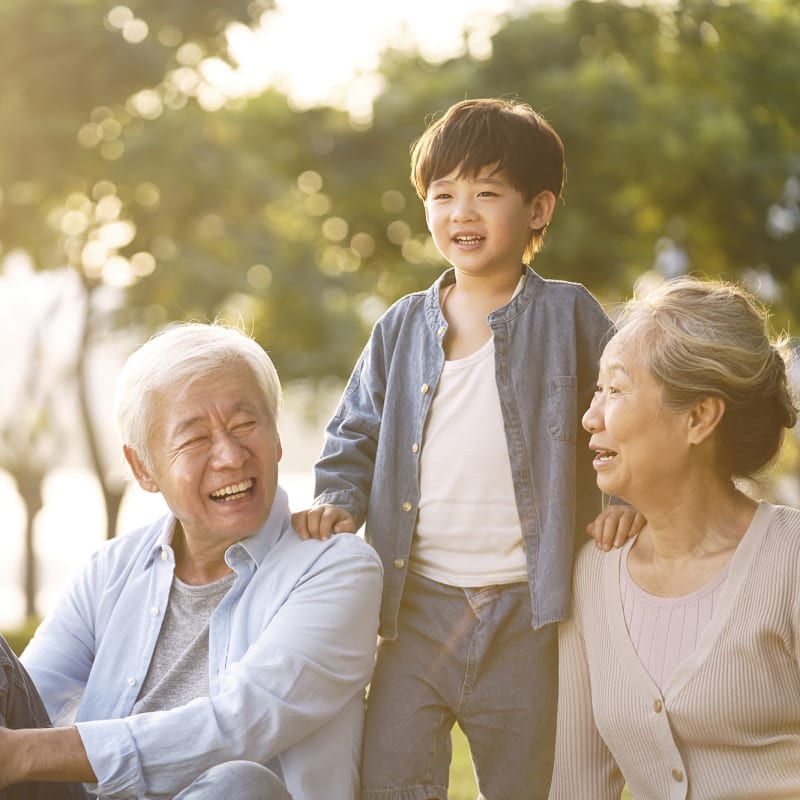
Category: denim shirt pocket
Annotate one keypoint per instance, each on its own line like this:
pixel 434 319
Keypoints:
pixel 562 398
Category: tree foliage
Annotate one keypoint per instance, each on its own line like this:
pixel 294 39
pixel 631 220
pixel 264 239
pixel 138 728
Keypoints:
pixel 123 161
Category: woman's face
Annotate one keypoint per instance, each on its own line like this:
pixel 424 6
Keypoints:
pixel 640 444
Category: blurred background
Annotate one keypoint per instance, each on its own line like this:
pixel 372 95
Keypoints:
pixel 248 160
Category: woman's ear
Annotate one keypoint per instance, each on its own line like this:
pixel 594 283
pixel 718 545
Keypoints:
pixel 704 418
pixel 542 209
pixel 139 470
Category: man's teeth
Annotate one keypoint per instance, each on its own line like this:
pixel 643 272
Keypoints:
pixel 235 488
pixel 605 455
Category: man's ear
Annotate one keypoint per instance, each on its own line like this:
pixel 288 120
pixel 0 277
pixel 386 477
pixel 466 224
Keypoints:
pixel 542 210
pixel 139 470
pixel 704 418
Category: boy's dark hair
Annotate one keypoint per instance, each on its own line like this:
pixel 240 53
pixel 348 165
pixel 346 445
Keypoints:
pixel 506 134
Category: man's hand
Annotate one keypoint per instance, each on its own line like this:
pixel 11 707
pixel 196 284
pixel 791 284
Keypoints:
pixel 11 766
pixel 321 521
pixel 43 754
pixel 614 526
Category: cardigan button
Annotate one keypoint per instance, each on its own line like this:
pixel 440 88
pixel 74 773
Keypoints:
pixel 677 775
pixel 440 332
pixel 657 706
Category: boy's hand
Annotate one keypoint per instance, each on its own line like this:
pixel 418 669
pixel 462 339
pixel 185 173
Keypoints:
pixel 321 521
pixel 614 526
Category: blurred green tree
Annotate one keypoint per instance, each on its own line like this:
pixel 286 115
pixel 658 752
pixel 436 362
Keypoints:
pixel 122 160
pixel 76 74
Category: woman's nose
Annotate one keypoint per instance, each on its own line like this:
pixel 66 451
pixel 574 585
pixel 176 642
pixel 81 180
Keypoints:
pixel 591 419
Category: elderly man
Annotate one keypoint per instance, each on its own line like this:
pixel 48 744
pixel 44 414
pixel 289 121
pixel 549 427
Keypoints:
pixel 214 653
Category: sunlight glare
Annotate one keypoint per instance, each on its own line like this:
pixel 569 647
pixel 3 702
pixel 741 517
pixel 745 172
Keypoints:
pixel 335 61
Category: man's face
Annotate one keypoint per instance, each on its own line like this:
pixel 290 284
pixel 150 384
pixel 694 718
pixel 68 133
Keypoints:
pixel 214 452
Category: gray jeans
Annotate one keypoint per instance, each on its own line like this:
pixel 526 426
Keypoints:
pixel 468 656
pixel 236 780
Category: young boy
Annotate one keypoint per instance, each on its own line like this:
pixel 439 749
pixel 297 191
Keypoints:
pixel 458 440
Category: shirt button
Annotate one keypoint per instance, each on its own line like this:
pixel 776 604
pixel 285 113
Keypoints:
pixel 399 563
pixel 677 775
pixel 154 612
pixel 406 506
pixel 657 706
pixel 131 681
pixel 425 388
pixel 415 448
pixel 440 332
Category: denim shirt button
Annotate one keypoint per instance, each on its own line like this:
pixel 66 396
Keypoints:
pixel 407 506
pixel 131 681
pixel 425 388
pixel 399 563
pixel 415 447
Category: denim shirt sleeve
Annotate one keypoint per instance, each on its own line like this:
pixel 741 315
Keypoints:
pixel 313 654
pixel 344 471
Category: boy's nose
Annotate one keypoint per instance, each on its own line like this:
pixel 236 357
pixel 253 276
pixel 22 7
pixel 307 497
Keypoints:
pixel 464 211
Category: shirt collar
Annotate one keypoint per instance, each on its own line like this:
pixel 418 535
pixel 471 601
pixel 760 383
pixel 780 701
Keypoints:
pixel 255 547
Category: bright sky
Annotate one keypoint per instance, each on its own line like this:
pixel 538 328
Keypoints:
pixel 318 51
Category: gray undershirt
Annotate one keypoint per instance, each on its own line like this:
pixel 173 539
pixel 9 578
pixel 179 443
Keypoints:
pixel 178 671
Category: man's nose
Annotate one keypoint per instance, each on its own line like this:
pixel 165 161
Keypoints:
pixel 227 451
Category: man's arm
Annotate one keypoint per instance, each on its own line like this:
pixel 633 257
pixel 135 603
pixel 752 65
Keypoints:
pixel 43 754
pixel 312 652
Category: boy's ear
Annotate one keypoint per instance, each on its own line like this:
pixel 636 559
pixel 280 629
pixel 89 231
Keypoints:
pixel 542 210
pixel 704 418
pixel 139 470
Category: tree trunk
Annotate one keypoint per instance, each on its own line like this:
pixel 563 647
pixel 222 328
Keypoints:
pixel 29 486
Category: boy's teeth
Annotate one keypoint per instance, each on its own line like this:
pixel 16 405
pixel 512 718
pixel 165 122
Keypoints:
pixel 234 488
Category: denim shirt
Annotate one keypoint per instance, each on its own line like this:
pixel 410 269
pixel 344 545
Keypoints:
pixel 291 648
pixel 548 340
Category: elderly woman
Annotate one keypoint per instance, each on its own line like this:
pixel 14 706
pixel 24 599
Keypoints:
pixel 680 667
pixel 213 653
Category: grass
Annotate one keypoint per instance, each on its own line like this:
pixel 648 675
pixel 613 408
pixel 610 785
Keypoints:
pixel 462 777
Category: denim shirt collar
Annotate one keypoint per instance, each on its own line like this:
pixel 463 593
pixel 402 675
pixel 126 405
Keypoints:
pixel 515 306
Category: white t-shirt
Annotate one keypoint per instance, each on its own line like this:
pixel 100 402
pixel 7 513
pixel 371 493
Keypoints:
pixel 468 530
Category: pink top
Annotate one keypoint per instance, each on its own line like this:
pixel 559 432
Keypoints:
pixel 665 630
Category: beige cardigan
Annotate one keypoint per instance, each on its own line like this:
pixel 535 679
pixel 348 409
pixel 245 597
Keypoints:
pixel 727 724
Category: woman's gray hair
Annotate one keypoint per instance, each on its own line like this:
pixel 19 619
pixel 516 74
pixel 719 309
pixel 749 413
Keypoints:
pixel 181 353
pixel 711 338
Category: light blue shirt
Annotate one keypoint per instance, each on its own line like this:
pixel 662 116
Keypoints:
pixel 291 649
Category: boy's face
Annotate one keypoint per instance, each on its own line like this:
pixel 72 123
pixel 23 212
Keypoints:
pixel 481 224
